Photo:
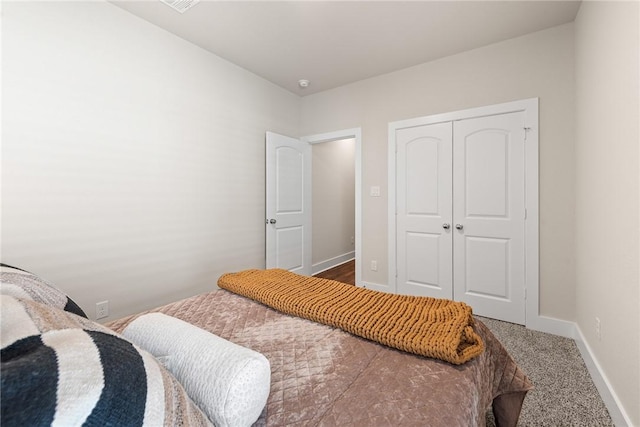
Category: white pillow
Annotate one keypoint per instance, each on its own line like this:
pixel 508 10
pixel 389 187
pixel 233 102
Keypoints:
pixel 229 382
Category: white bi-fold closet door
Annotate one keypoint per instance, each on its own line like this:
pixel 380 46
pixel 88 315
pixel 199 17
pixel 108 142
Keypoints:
pixel 460 212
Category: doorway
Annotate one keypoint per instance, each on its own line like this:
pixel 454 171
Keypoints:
pixel 345 140
pixel 333 205
pixel 289 245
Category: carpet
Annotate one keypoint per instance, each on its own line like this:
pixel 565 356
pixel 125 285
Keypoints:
pixel 564 394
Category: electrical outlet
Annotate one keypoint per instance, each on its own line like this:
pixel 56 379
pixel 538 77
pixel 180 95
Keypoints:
pixel 598 333
pixel 374 265
pixel 102 309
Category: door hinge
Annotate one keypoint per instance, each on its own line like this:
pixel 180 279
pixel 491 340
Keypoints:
pixel 526 131
pixel 525 294
pixel 525 214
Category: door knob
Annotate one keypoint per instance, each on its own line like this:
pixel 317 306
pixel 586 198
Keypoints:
pixel 271 221
pixel 459 226
pixel 446 225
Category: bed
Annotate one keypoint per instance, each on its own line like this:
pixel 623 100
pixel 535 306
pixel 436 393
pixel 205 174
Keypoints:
pixel 319 375
pixel 324 376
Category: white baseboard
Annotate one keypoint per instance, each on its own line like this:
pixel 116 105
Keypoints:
pixel 374 286
pixel 551 325
pixel 618 415
pixel 332 262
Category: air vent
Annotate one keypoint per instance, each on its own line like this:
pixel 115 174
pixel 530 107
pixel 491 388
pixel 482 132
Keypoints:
pixel 180 5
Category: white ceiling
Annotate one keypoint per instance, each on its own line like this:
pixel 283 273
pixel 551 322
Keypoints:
pixel 332 43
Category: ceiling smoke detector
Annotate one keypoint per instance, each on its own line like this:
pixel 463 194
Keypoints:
pixel 303 83
pixel 180 5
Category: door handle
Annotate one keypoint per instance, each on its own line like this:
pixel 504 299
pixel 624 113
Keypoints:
pixel 459 226
pixel 272 221
pixel 446 226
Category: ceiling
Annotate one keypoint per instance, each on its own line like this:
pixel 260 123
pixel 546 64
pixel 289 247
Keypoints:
pixel 333 43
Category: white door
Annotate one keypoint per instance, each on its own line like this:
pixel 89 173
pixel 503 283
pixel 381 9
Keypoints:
pixel 423 210
pixel 489 215
pixel 288 204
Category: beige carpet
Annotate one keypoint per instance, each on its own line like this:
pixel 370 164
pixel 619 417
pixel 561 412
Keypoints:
pixel 564 393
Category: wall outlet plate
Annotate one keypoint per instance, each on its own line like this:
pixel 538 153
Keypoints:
pixel 102 309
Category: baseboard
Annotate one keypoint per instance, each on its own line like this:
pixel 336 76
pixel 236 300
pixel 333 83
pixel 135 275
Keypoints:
pixel 332 262
pixel 551 325
pixel 374 286
pixel 618 415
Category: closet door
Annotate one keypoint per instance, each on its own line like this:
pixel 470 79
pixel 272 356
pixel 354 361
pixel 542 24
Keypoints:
pixel 423 210
pixel 489 215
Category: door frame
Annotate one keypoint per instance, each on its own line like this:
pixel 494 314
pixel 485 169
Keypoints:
pixel 356 134
pixel 530 108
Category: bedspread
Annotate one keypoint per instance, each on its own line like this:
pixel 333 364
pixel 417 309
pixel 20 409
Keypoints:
pixel 323 376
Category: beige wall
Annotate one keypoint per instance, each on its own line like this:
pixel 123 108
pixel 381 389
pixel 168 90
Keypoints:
pixel 607 191
pixel 536 65
pixel 132 160
pixel 334 208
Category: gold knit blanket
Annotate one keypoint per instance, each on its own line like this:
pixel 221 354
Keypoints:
pixel 430 327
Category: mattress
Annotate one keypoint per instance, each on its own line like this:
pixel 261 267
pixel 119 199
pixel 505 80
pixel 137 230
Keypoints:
pixel 323 376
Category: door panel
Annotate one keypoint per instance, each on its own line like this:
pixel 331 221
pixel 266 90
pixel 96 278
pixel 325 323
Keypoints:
pixel 423 269
pixel 422 178
pixel 480 280
pixel 289 240
pixel 288 204
pixel 487 168
pixel 488 205
pixel 289 170
pixel 423 204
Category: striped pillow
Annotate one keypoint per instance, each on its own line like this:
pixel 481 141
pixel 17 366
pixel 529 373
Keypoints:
pixel 59 368
pixel 22 284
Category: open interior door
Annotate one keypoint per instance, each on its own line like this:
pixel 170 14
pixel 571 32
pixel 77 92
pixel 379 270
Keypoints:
pixel 288 204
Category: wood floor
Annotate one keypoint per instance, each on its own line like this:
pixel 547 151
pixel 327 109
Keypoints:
pixel 345 273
